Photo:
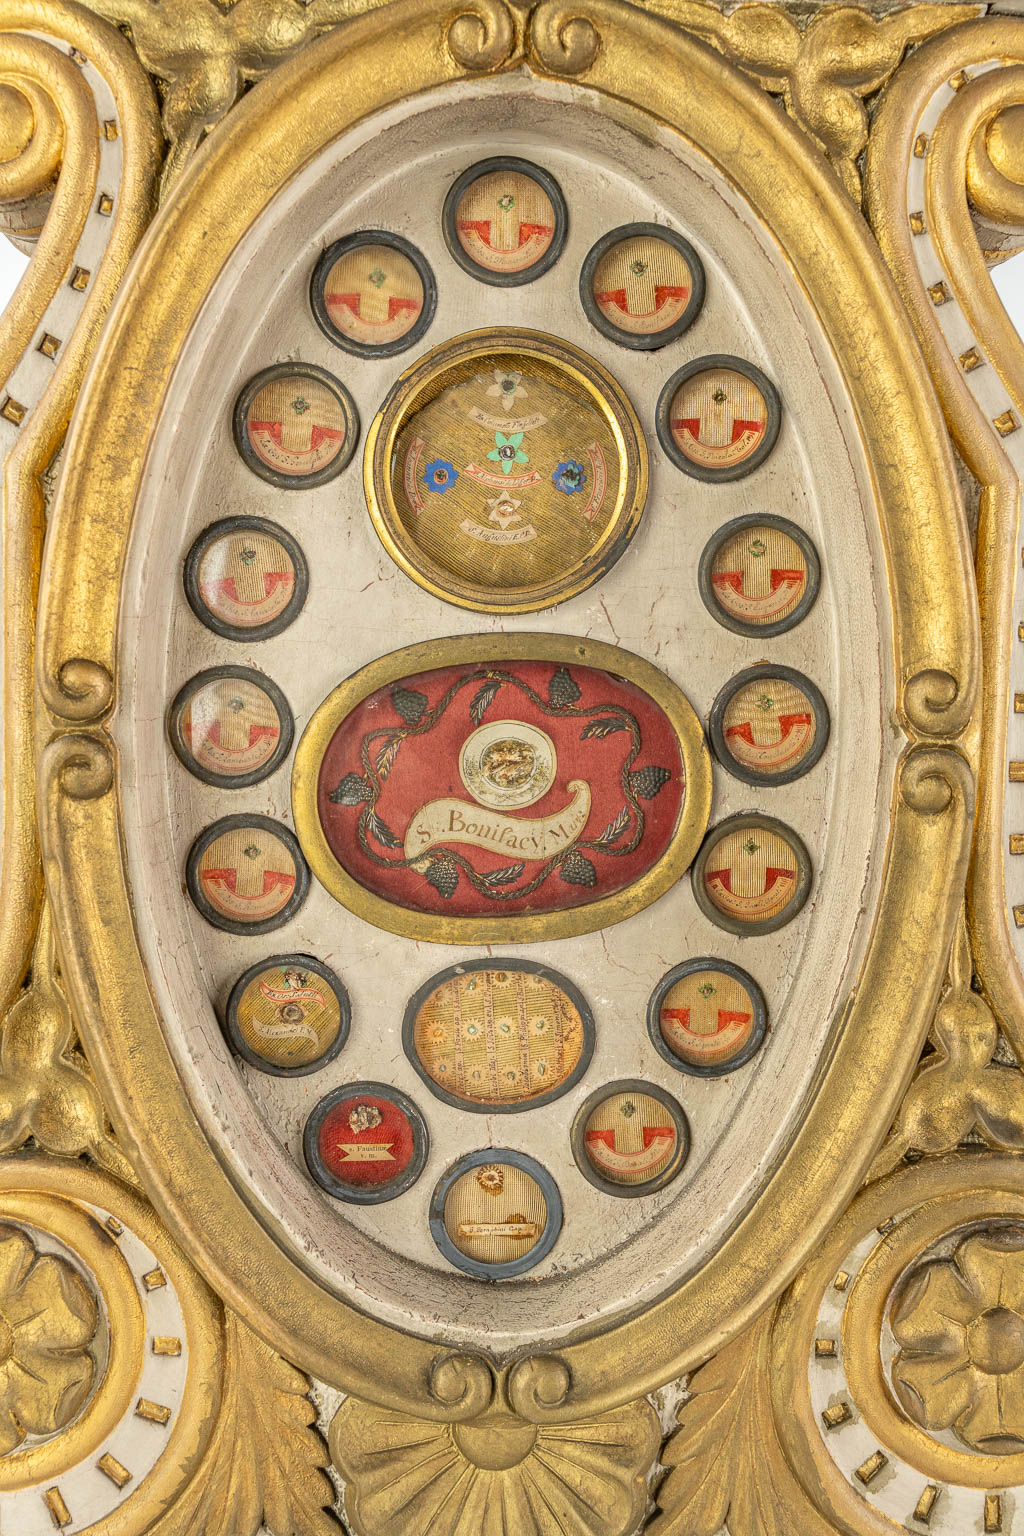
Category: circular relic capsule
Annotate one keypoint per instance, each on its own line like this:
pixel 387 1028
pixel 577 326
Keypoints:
pixel 769 725
pixel 495 1213
pixel 365 1143
pixel 707 1017
pixel 288 1015
pixel 642 285
pixel 496 1036
pixel 752 875
pixel 506 471
pixel 508 764
pixel 630 1138
pixel 246 874
pixel 230 726
pixel 373 293
pixel 296 425
pixel 505 221
pixel 718 418
pixel 759 575
pixel 246 578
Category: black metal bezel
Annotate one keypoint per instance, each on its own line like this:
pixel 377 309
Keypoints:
pixel 499 963
pixel 307 963
pixel 690 968
pixel 811 589
pixel 223 529
pixel 230 824
pixel 805 875
pixel 368 1195
pixel 351 242
pixel 183 752
pixel 773 419
pixel 716 724
pixel 460 255
pixel 541 1248
pixel 657 339
pixel 241 432
pixel 597 1098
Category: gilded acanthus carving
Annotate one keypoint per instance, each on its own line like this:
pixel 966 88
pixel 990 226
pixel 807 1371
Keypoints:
pixel 715 1478
pixel 46 1089
pixel 266 1462
pixel 959 1088
pixel 204 54
pixel 823 69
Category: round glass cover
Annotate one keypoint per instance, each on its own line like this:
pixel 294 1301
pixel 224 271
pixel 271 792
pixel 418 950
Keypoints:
pixel 506 471
pixel 505 221
pixel 642 285
pixel 499 1035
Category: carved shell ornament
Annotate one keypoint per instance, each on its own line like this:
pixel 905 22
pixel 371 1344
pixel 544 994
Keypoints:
pixel 508 926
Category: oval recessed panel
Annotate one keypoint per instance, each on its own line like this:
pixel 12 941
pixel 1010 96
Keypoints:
pixel 409 788
pixel 491 734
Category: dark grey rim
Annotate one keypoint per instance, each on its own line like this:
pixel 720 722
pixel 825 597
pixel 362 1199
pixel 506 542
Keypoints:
pixel 579 1150
pixel 223 529
pixel 656 339
pixel 804 874
pixel 543 1245
pixel 451 236
pixel 819 709
pixel 230 824
pixel 689 968
pixel 355 1196
pixel 307 963
pixel 241 431
pixel 778 626
pixel 534 967
pixel 351 243
pixel 773 407
pixel 184 752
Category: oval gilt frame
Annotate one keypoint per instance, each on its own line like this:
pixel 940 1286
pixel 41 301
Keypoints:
pixel 439 928
pixel 627 60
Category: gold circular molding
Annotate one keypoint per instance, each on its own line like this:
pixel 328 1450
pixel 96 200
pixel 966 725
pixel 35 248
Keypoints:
pixel 909 1219
pixel 82 1237
pixel 17 121
pixel 1004 140
pixel 452 440
pixel 116 1243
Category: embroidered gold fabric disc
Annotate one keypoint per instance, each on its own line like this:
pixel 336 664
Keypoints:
pixel 498 1037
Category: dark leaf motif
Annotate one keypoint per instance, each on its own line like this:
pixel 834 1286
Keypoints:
pixel 483 700
pixel 614 830
pixel 352 790
pixel 598 729
pixel 646 782
pixel 382 832
pixel 409 704
pixel 386 757
pixel 576 870
pixel 563 689
pixel 506 876
pixel 443 875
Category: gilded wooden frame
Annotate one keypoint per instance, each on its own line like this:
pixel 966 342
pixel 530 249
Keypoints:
pixel 274 132
pixel 735 1323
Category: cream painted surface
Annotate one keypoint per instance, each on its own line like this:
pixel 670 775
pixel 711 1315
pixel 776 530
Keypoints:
pixel 613 1255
